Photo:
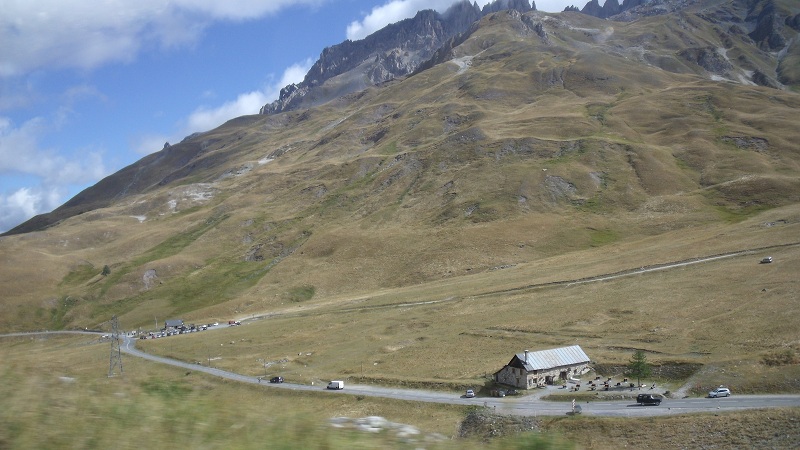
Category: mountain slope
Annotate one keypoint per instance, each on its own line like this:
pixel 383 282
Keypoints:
pixel 534 137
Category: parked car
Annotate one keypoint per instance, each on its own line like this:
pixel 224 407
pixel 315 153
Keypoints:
pixel 469 394
pixel 512 392
pixel 648 399
pixel 498 393
pixel 766 260
pixel 720 392
pixel 276 380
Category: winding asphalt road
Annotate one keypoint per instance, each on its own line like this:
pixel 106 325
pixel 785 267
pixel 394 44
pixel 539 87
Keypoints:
pixel 527 405
pixel 524 405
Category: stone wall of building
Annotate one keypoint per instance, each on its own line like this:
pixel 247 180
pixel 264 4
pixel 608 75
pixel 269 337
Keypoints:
pixel 522 379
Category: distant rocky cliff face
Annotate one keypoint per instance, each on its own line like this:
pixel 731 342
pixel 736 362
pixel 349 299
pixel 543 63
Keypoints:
pixel 772 25
pixel 766 18
pixel 394 51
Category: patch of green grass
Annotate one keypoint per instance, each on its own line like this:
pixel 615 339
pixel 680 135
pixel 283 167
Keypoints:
pixel 221 281
pixel 168 390
pixel 591 205
pixel 602 237
pixel 389 149
pixel 79 275
pixel 736 215
pixel 174 244
pixel 598 111
pixel 408 188
pixel 300 293
pixel 170 246
pixel 57 313
pixel 707 102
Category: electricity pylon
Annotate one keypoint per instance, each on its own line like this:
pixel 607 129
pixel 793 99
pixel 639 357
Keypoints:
pixel 116 353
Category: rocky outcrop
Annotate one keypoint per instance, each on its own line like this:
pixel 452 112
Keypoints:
pixel 527 26
pixel 708 58
pixel 793 22
pixel 502 5
pixel 609 8
pixel 767 32
pixel 392 52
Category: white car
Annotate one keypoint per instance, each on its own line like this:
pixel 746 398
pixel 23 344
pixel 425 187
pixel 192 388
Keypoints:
pixel 336 384
pixel 720 392
pixel 470 393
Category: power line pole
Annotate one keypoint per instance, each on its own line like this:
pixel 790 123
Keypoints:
pixel 116 353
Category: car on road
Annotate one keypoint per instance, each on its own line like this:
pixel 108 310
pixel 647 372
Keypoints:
pixel 336 384
pixel 648 399
pixel 276 380
pixel 720 392
pixel 766 260
pixel 469 394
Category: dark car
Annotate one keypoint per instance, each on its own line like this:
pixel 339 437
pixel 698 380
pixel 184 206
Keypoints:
pixel 276 380
pixel 648 399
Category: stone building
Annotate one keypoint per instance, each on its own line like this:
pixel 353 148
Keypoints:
pixel 531 369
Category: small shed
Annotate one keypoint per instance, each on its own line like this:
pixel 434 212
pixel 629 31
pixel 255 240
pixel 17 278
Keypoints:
pixel 531 369
pixel 173 323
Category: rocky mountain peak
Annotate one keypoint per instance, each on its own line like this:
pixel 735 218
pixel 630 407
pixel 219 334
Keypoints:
pixel 391 52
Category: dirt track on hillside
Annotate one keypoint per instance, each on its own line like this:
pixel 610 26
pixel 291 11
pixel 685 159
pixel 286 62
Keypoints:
pixel 310 311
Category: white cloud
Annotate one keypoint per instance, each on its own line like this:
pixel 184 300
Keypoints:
pixel 240 9
pixel 397 10
pixel 25 203
pixel 51 173
pixel 17 208
pixel 391 12
pixel 205 118
pixel 293 74
pixel 20 152
pixel 54 34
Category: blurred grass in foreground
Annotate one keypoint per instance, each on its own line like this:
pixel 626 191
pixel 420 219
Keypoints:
pixel 55 394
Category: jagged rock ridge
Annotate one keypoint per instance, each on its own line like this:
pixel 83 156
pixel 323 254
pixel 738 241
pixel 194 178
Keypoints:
pixel 394 51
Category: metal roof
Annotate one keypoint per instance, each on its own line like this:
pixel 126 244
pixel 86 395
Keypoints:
pixel 557 357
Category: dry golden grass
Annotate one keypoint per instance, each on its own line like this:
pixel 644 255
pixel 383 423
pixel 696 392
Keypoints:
pixel 721 314
pixel 56 394
pixel 749 429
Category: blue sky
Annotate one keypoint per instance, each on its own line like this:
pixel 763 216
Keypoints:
pixel 88 87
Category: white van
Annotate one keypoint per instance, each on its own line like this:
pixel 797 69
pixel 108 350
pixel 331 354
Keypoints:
pixel 336 384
